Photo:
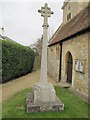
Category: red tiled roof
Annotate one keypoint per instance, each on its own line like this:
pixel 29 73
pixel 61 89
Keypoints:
pixel 80 22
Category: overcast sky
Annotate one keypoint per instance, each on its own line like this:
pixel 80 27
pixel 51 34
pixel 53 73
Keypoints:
pixel 23 23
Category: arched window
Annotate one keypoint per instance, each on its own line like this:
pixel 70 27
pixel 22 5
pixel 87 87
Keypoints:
pixel 68 16
pixel 57 52
pixel 51 53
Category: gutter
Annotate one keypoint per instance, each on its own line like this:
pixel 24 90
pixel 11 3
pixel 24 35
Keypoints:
pixel 60 64
pixel 72 36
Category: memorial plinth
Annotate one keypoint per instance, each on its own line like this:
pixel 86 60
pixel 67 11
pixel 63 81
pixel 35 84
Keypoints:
pixel 43 97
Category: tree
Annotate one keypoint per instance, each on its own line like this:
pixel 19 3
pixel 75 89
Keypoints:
pixel 37 46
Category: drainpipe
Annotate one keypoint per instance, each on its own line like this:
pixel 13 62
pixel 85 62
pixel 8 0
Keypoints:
pixel 60 61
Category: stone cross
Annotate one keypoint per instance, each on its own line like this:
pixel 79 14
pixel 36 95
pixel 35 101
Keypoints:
pixel 43 97
pixel 45 12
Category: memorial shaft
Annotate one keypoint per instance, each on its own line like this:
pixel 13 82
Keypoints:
pixel 45 12
pixel 43 97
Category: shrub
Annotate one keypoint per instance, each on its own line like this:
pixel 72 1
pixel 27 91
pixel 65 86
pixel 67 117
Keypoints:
pixel 37 62
pixel 17 60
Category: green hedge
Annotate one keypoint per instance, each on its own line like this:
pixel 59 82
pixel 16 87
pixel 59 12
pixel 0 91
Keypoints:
pixel 17 60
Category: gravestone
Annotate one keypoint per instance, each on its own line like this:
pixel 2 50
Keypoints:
pixel 43 97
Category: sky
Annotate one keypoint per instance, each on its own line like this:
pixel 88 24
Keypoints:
pixel 23 23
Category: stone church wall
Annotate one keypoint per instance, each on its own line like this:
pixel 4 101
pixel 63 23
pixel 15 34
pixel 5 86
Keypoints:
pixel 74 8
pixel 78 47
pixel 53 61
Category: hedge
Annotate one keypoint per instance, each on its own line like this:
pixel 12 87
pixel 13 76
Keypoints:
pixel 0 62
pixel 17 60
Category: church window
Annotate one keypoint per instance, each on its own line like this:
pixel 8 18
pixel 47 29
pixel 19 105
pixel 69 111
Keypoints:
pixel 51 53
pixel 57 52
pixel 51 50
pixel 68 16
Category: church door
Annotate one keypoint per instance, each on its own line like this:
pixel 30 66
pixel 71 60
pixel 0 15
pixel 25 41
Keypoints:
pixel 69 68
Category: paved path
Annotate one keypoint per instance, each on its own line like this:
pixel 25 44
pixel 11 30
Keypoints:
pixel 27 81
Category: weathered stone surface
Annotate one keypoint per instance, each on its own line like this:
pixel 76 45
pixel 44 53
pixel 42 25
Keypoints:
pixel 43 97
pixel 44 92
pixel 78 47
pixel 32 106
pixel 75 8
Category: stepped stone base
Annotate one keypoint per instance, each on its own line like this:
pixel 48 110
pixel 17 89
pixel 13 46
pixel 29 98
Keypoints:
pixel 48 106
pixel 43 98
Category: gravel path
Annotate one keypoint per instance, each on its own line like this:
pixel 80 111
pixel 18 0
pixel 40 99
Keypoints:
pixel 27 81
pixel 21 83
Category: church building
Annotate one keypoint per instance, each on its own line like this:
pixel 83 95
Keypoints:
pixel 68 47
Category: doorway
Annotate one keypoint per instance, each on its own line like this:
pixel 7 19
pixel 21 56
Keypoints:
pixel 69 67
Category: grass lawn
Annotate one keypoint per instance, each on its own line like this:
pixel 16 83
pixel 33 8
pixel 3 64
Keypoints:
pixel 75 107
